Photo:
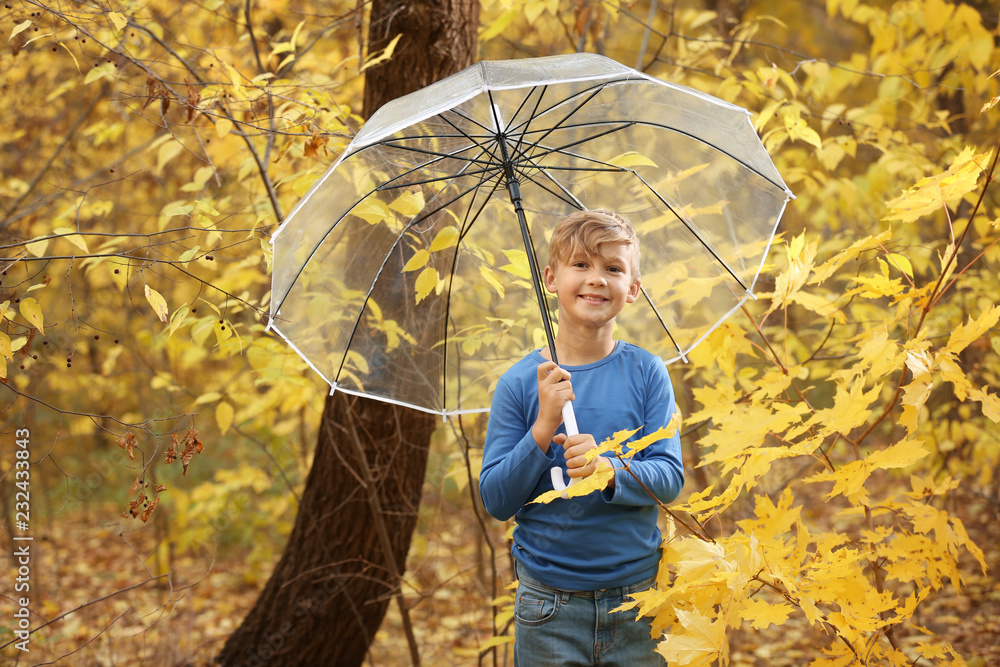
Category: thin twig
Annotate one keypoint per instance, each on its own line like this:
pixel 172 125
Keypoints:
pixel 52 158
pixel 85 605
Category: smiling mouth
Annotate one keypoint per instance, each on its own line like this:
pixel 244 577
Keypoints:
pixel 593 299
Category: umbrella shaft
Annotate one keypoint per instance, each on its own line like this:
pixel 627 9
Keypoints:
pixel 514 189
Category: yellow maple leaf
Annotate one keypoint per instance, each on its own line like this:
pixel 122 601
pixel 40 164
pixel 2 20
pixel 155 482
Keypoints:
pixel 991 403
pixel 848 481
pixel 828 268
pixel 761 613
pixel 702 642
pixel 612 444
pixel 965 334
pixel 596 481
pixel 801 257
pixel 934 192
pixel 915 394
pixel 951 371
pixel 899 455
pixel 851 408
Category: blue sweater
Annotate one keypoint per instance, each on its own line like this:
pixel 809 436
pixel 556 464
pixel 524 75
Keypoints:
pixel 602 540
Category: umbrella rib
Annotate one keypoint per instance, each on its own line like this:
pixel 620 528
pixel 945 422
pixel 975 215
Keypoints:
pixel 568 198
pixel 562 150
pixel 532 116
pixel 547 131
pixel 378 274
pixel 545 150
pixel 656 311
pixel 439 155
pixel 694 233
pixel 668 128
pixel 439 179
pixel 653 190
pixel 466 226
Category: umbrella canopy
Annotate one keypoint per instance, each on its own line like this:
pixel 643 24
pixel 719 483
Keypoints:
pixel 408 273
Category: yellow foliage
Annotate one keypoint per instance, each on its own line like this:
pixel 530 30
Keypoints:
pixel 934 193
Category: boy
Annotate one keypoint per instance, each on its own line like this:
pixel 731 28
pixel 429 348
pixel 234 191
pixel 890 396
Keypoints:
pixel 578 559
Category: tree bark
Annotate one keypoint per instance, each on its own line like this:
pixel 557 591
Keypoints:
pixel 330 590
pixel 439 38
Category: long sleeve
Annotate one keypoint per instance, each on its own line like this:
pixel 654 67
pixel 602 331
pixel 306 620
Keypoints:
pixel 660 467
pixel 512 462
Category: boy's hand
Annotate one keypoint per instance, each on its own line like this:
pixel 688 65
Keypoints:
pixel 554 390
pixel 574 449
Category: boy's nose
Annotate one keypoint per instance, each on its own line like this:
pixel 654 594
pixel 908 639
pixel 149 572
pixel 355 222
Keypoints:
pixel 595 278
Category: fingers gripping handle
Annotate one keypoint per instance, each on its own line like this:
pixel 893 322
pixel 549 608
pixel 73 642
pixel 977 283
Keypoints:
pixel 569 419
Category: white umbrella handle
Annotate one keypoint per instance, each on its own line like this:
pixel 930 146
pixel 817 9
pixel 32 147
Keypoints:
pixel 569 418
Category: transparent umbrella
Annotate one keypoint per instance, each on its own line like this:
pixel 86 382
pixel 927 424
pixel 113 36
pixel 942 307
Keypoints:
pixel 409 272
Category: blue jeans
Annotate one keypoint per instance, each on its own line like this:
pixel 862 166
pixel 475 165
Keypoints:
pixel 556 628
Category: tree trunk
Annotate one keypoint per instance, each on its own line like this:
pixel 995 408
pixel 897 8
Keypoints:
pixel 439 39
pixel 329 591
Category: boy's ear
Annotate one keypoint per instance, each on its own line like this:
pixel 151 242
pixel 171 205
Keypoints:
pixel 633 291
pixel 549 278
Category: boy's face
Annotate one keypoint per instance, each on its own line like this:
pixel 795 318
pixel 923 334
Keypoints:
pixel 593 289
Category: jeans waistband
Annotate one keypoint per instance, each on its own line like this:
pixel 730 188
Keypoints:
pixel 629 589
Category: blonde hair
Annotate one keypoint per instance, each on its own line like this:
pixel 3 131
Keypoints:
pixel 588 231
